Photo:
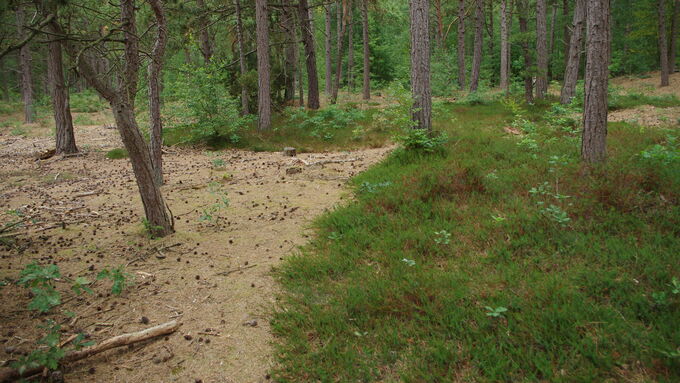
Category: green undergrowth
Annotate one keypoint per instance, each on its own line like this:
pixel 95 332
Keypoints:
pixel 497 259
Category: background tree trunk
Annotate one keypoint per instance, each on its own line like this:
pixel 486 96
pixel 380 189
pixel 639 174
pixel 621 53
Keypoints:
pixel 350 46
pixel 574 56
pixel 264 99
pixel 65 139
pixel 461 44
pixel 672 63
pixel 663 43
pixel 245 108
pixel 440 23
pixel 290 51
pixel 479 36
pixel 367 51
pixel 593 146
pixel 329 65
pixel 205 41
pixel 551 41
pixel 25 68
pixel 505 45
pixel 420 63
pixel 566 32
pixel 310 55
pixel 338 65
pixel 155 67
pixel 522 9
pixel 541 49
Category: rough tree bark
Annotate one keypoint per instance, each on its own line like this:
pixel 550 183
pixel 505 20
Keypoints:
pixel 290 50
pixel 490 29
pixel 479 45
pixel 328 45
pixel 461 44
pixel 541 49
pixel 574 56
pixel 155 68
pixel 522 12
pixel 122 105
pixel 551 41
pixel 593 146
pixel 310 55
pixel 25 68
pixel 420 63
pixel 505 45
pixel 674 36
pixel 440 23
pixel 204 40
pixel 245 108
pixel 663 43
pixel 342 27
pixel 367 51
pixel 350 46
pixel 264 99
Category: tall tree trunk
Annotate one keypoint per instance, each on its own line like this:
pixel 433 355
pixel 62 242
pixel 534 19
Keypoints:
pixel 663 43
pixel 301 79
pixel 205 41
pixel 290 51
pixel 367 51
pixel 155 68
pixel 672 63
pixel 566 32
pixel 264 98
pixel 593 146
pixel 25 68
pixel 340 33
pixel 490 29
pixel 505 45
pixel 541 49
pixel 420 63
pixel 479 36
pixel 328 45
pixel 338 65
pixel 5 81
pixel 551 42
pixel 522 12
pixel 65 139
pixel 461 44
pixel 440 23
pixel 350 46
pixel 310 55
pixel 245 108
pixel 574 57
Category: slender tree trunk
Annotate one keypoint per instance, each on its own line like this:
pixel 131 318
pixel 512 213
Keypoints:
pixel 663 43
pixel 566 32
pixel 505 45
pixel 420 63
pixel 551 42
pixel 522 11
pixel 440 23
pixel 541 49
pixel 593 147
pixel 310 55
pixel 479 36
pixel 461 44
pixel 367 51
pixel 574 56
pixel 5 81
pixel 245 108
pixel 264 98
pixel 155 72
pixel 65 139
pixel 490 29
pixel 329 64
pixel 25 68
pixel 672 63
pixel 205 41
pixel 350 46
pixel 342 27
pixel 290 49
pixel 301 80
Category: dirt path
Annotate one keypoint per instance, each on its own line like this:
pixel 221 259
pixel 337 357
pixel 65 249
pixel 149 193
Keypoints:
pixel 214 274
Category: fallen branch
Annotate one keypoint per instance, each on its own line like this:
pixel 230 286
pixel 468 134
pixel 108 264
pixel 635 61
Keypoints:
pixel 225 273
pixel 11 374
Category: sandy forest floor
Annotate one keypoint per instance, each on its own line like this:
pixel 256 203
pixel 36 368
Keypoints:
pixel 212 275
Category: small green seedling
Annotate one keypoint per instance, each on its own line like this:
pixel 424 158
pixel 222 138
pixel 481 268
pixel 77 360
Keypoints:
pixel 442 237
pixel 495 312
pixel 119 278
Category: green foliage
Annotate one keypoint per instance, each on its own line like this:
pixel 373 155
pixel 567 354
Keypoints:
pixel 118 276
pixel 209 212
pixel 86 101
pixel 495 312
pixel 325 123
pixel 422 140
pixel 117 154
pixel 40 280
pixel 619 100
pixel 662 155
pixel 149 229
pixel 49 356
pixel 396 116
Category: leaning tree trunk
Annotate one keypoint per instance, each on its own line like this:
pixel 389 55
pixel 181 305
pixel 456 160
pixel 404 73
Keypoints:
pixel 289 57
pixel 420 63
pixel 25 68
pixel 155 68
pixel 505 45
pixel 310 55
pixel 479 37
pixel 461 44
pixel 522 9
pixel 663 43
pixel 593 146
pixel 205 42
pixel 350 47
pixel 65 139
pixel 342 27
pixel 245 109
pixel 264 98
pixel 541 49
pixel 367 51
pixel 440 24
pixel 328 45
pixel 574 57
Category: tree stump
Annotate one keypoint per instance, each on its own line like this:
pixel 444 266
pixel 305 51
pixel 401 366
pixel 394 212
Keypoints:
pixel 289 152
